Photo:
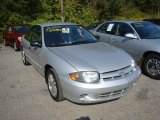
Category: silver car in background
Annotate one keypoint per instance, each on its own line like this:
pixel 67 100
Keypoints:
pixel 140 39
pixel 76 66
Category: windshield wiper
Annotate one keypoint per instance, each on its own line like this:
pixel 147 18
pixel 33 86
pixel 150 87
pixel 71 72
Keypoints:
pixel 81 42
pixel 58 45
pixel 73 43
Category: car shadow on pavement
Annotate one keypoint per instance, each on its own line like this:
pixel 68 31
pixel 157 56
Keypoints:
pixel 84 118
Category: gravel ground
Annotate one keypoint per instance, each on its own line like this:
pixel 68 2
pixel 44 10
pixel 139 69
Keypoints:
pixel 24 96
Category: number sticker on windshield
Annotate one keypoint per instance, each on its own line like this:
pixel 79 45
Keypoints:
pixel 65 30
pixel 53 29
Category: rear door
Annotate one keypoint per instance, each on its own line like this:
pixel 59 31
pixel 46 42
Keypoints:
pixel 127 44
pixel 8 35
pixel 106 31
pixel 26 41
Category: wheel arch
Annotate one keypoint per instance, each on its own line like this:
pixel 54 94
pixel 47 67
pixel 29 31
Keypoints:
pixel 149 53
pixel 46 68
pixel 146 56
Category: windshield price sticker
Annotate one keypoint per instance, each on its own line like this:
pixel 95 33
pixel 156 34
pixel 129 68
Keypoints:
pixel 110 27
pixel 65 30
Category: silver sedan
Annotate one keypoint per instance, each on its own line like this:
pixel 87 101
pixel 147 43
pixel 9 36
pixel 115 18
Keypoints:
pixel 76 66
pixel 140 39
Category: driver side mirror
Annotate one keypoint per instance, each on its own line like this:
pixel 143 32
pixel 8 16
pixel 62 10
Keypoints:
pixel 131 35
pixel 35 44
pixel 97 37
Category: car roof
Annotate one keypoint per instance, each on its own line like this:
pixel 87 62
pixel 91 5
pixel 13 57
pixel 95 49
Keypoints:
pixel 56 23
pixel 127 21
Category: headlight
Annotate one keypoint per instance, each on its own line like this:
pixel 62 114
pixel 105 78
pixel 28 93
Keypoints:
pixel 133 63
pixel 87 77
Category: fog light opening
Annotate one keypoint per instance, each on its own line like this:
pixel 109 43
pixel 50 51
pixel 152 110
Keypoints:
pixel 83 96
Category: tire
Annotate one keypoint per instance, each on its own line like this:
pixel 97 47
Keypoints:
pixel 24 59
pixel 4 42
pixel 151 66
pixel 15 46
pixel 54 85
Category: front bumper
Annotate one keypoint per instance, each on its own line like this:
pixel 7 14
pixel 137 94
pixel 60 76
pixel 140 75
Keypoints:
pixel 105 90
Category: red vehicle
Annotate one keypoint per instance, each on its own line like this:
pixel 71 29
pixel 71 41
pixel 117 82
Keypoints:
pixel 13 33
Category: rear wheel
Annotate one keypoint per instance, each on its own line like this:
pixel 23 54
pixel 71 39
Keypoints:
pixel 24 59
pixel 151 66
pixel 54 85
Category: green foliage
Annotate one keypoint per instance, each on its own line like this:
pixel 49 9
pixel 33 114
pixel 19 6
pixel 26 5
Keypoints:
pixel 15 17
pixel 78 13
pixel 83 12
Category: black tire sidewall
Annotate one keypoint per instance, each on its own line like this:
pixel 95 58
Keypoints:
pixel 144 66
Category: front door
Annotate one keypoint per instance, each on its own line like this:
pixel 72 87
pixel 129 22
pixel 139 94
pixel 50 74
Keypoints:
pixel 127 44
pixel 106 31
pixel 36 52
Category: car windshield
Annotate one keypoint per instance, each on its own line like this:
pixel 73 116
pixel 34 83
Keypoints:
pixel 21 28
pixel 147 30
pixel 64 35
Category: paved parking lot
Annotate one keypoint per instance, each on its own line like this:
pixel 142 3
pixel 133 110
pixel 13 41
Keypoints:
pixel 24 96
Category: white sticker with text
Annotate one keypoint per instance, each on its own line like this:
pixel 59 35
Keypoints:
pixel 110 27
pixel 65 30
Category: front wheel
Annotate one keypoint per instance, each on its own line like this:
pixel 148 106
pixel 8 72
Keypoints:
pixel 151 66
pixel 24 59
pixel 54 85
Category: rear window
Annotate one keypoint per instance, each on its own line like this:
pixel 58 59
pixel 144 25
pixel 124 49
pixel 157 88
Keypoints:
pixel 21 28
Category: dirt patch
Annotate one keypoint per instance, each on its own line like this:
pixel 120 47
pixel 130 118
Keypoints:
pixel 142 94
pixel 12 86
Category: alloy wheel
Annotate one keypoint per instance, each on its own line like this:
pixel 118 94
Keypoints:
pixel 52 85
pixel 153 66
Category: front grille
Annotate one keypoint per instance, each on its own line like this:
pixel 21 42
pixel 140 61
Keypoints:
pixel 114 93
pixel 117 74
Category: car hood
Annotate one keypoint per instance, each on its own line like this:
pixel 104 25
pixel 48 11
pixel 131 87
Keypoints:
pixel 99 57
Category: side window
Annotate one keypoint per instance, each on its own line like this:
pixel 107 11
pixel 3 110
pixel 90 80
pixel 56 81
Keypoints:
pixel 28 35
pixel 37 35
pixel 108 28
pixel 122 29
